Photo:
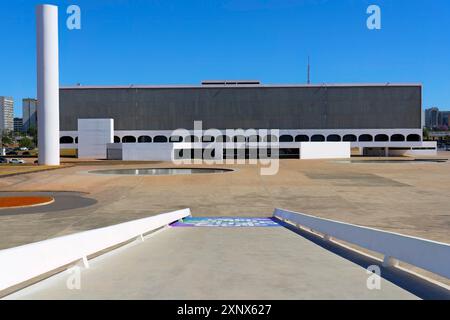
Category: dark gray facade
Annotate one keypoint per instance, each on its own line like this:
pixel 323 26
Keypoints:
pixel 259 107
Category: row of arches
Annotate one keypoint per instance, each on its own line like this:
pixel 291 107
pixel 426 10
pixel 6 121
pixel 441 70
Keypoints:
pixel 360 138
pixel 257 138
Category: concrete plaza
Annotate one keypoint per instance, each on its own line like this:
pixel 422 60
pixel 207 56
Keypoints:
pixel 218 263
pixel 409 198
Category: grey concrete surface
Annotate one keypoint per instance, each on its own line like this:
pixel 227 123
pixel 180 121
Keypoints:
pixel 218 263
pixel 63 201
pixel 289 107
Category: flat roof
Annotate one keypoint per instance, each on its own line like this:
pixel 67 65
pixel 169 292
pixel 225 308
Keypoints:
pixel 208 86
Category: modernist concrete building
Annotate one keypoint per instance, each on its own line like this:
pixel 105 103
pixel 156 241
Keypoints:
pixel 375 118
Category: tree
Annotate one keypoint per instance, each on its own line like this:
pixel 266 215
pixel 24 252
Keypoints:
pixel 6 138
pixel 26 142
pixel 426 134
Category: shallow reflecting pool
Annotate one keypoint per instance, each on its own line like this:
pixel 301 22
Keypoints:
pixel 161 171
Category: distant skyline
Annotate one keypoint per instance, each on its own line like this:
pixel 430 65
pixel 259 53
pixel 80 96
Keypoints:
pixel 184 42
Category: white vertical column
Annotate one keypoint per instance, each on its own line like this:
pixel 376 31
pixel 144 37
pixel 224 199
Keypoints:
pixel 47 84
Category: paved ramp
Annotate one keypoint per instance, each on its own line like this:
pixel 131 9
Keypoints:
pixel 218 263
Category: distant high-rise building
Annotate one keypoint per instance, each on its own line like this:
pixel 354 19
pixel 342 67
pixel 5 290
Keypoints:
pixel 432 118
pixel 18 124
pixel 29 114
pixel 444 118
pixel 6 114
pixel 435 119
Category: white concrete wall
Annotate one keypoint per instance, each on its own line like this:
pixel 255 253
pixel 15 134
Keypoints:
pixel 309 133
pixel 165 151
pixel 114 151
pixel 427 254
pixel 325 150
pixel 26 262
pixel 147 151
pixel 412 153
pixel 93 136
pixel 159 151
pixel 428 148
pixel 294 132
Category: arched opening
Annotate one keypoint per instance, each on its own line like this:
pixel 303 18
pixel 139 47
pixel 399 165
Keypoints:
pixel 239 139
pixel 270 138
pixel 254 138
pixel 302 138
pixel 128 139
pixel 116 139
pixel 397 137
pixel 191 138
pixel 414 137
pixel 349 138
pixel 286 138
pixel 317 138
pixel 66 139
pixel 175 139
pixel 223 138
pixel 334 138
pixel 381 137
pixel 76 139
pixel 144 139
pixel 160 139
pixel 365 138
pixel 208 139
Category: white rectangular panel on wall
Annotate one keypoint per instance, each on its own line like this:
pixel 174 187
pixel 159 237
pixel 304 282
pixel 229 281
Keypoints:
pixel 93 137
pixel 325 150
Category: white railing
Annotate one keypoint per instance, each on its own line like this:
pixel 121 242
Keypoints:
pixel 426 254
pixel 26 262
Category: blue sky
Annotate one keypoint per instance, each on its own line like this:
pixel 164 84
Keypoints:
pixel 186 41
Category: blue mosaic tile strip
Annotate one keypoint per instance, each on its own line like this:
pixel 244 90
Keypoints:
pixel 225 222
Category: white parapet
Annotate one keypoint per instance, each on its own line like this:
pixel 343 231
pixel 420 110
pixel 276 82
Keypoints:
pixel 426 148
pixel 325 150
pixel 29 261
pixel 47 84
pixel 423 253
pixel 93 137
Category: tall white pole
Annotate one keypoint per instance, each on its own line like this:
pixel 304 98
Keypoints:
pixel 48 84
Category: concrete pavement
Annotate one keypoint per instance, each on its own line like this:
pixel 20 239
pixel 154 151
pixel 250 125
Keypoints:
pixel 408 198
pixel 218 263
